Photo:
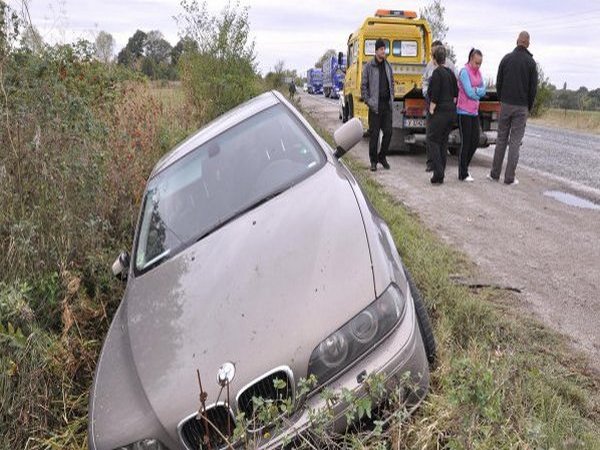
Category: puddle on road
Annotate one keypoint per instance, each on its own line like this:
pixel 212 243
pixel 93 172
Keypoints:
pixel 571 200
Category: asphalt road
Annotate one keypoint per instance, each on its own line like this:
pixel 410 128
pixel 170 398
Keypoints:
pixel 517 236
pixel 568 154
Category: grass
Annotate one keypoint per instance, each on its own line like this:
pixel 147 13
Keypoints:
pixel 502 379
pixel 169 94
pixel 588 121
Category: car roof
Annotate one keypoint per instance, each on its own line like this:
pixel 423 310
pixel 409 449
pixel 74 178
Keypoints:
pixel 216 127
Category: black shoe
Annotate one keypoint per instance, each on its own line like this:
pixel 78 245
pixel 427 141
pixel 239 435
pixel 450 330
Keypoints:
pixel 384 163
pixel 373 167
pixel 435 180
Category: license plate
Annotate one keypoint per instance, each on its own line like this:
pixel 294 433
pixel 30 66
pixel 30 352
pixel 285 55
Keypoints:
pixel 414 123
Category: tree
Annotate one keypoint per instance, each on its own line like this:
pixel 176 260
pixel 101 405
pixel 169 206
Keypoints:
pixel 31 39
pixel 134 50
pixel 544 94
pixel 327 55
pixel 222 73
pixel 184 44
pixel 434 14
pixel 10 28
pixel 104 46
pixel 137 43
pixel 279 76
pixel 157 48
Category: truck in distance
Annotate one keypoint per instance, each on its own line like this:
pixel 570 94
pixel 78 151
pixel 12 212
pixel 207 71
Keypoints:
pixel 333 77
pixel 314 79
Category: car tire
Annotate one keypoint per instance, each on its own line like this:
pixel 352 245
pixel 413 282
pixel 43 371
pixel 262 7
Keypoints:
pixel 350 106
pixel 423 320
pixel 345 112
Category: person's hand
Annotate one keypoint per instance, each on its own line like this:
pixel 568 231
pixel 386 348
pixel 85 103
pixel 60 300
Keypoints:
pixel 431 108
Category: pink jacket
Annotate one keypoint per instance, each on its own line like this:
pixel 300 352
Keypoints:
pixel 470 90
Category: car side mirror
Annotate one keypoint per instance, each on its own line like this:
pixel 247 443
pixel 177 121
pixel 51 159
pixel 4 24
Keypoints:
pixel 347 136
pixel 121 266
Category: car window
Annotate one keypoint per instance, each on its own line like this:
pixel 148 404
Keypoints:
pixel 239 169
pixel 370 46
pixel 404 48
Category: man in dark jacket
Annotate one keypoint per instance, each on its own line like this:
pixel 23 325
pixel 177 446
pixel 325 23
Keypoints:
pixel 516 84
pixel 377 91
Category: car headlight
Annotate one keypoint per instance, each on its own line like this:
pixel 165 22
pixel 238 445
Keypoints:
pixel 357 336
pixel 146 444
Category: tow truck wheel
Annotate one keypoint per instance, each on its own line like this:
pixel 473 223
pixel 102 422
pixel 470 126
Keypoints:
pixel 345 113
pixel 350 106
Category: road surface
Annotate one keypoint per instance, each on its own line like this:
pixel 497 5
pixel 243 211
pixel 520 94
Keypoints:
pixel 517 235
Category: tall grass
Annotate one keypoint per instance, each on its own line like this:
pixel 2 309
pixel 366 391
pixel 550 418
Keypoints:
pixel 588 121
pixel 80 139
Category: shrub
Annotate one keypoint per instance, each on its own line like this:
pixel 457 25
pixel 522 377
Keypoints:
pixel 219 71
pixel 80 139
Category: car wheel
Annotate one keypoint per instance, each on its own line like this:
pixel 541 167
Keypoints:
pixel 345 112
pixel 423 320
pixel 350 106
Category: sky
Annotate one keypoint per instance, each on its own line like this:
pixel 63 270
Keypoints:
pixel 564 37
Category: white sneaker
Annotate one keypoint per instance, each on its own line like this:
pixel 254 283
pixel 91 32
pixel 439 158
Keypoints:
pixel 514 183
pixel 469 178
pixel 489 177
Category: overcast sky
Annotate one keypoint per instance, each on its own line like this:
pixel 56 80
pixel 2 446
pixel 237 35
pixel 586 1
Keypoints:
pixel 564 35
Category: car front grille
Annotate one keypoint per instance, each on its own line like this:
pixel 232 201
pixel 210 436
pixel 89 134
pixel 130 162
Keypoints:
pixel 265 388
pixel 193 430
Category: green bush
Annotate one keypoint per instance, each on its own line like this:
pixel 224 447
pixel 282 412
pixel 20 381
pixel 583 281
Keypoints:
pixel 219 71
pixel 543 99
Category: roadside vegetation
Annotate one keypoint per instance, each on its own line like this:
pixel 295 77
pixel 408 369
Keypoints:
pixel 587 121
pixel 80 136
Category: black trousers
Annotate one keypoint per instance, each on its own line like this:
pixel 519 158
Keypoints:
pixel 377 122
pixel 438 128
pixel 469 140
pixel 429 163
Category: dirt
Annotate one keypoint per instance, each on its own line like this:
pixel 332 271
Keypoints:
pixel 517 236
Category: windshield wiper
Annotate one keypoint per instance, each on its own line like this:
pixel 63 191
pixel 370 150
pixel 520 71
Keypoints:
pixel 240 213
pixel 162 256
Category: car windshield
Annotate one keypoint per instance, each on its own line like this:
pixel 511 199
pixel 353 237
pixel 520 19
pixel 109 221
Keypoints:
pixel 223 178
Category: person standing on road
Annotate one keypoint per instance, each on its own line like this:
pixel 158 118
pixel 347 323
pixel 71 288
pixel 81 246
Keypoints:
pixel 292 89
pixel 377 91
pixel 516 84
pixel 470 90
pixel 431 66
pixel 442 92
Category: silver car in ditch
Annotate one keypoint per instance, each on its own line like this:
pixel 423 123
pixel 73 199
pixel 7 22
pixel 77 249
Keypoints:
pixel 257 261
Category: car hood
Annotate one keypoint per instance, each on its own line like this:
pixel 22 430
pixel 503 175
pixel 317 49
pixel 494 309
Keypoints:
pixel 260 292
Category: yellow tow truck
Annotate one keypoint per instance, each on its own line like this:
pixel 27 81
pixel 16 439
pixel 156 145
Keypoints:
pixel 408 49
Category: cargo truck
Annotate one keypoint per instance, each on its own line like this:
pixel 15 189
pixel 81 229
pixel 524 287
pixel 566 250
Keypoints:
pixel 314 79
pixel 333 76
pixel 408 49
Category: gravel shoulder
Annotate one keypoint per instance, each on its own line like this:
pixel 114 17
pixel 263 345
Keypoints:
pixel 516 235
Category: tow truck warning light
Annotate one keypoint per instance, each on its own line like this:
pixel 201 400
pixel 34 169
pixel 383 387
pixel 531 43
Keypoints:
pixel 395 13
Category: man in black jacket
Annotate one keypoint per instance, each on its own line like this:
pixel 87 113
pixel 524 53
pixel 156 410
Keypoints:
pixel 377 91
pixel 516 84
